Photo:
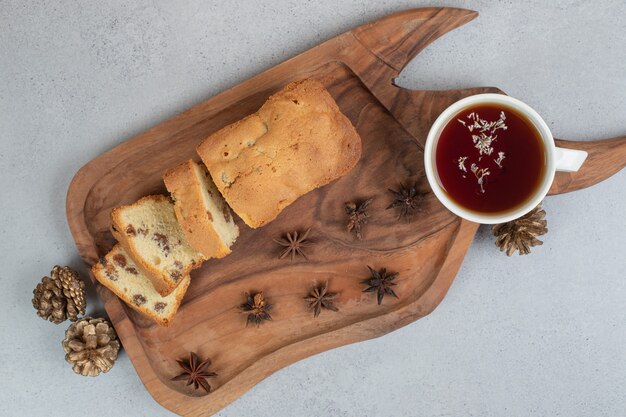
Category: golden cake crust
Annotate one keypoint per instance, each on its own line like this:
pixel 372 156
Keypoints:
pixel 196 222
pixel 297 141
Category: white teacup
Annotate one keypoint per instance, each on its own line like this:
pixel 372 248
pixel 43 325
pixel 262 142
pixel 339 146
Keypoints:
pixel 558 159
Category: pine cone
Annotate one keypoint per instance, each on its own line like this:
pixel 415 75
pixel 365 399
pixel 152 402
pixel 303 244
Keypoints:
pixel 91 346
pixel 521 234
pixel 60 296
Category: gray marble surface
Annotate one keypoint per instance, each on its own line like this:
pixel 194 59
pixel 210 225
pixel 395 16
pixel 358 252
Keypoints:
pixel 526 336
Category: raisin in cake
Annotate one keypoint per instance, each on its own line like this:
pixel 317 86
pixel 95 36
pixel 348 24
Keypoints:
pixel 150 234
pixel 120 274
pixel 298 141
pixel 200 209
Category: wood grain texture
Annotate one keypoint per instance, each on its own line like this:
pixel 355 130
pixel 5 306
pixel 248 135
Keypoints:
pixel 358 68
pixel 606 157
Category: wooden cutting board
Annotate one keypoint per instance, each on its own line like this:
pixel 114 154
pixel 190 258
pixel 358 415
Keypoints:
pixel 358 68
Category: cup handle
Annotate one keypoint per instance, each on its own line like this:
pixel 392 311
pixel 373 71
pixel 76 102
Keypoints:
pixel 569 160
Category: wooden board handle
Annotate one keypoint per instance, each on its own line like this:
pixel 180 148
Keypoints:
pixel 606 157
pixel 396 39
pixel 407 33
pixel 383 49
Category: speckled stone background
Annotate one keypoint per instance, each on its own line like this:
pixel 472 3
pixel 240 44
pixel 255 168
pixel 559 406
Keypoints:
pixel 526 336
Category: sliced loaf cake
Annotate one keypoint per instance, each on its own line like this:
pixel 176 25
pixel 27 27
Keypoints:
pixel 150 234
pixel 121 275
pixel 296 142
pixel 200 209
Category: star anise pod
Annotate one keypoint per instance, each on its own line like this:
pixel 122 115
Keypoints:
pixel 195 372
pixel 294 244
pixel 407 200
pixel 357 217
pixel 381 283
pixel 256 308
pixel 319 298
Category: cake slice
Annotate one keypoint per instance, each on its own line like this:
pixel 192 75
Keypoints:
pixel 120 274
pixel 150 234
pixel 296 142
pixel 200 209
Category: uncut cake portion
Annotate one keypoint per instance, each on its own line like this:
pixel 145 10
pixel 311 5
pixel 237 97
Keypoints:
pixel 150 234
pixel 297 141
pixel 201 211
pixel 120 274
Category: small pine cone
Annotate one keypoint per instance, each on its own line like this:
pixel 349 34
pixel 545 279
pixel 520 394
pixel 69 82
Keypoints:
pixel 60 296
pixel 73 290
pixel 521 234
pixel 91 346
